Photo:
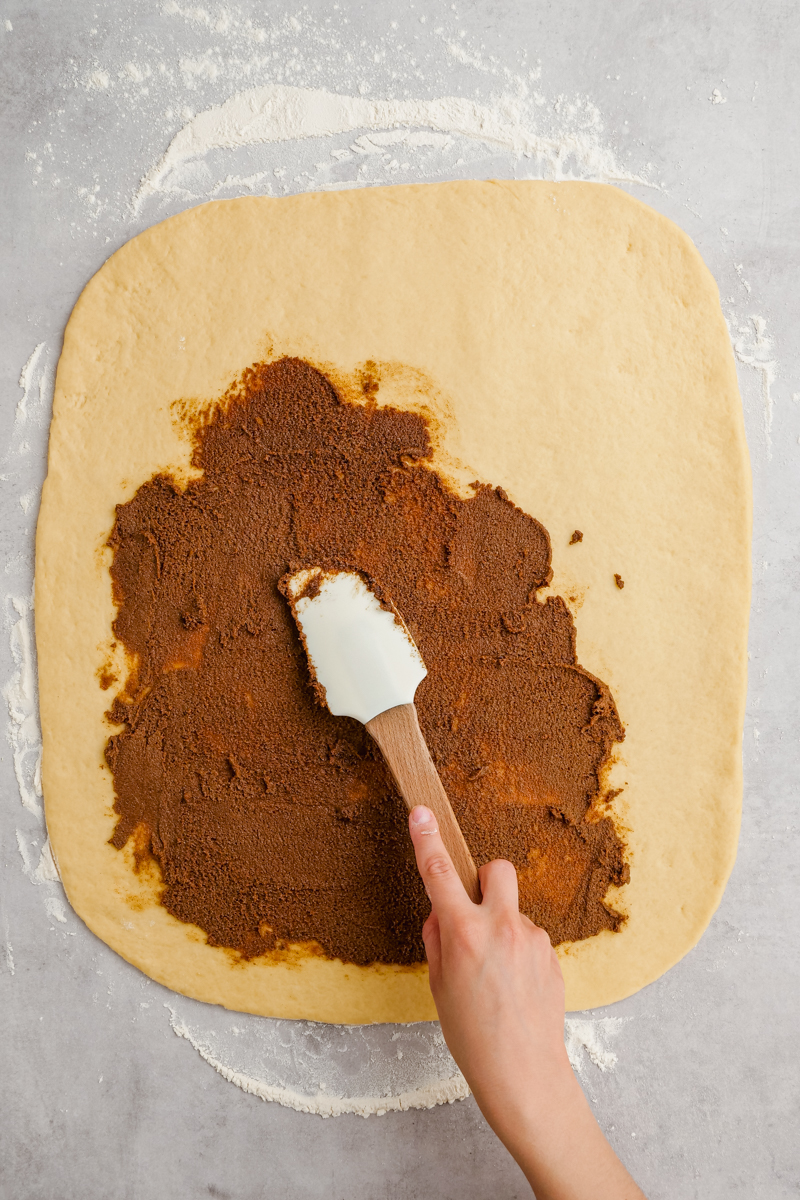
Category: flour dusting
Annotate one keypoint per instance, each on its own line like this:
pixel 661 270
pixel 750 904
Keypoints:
pixel 21 700
pixel 27 379
pixel 54 907
pixel 20 690
pixel 329 1070
pixel 589 1037
pixel 47 868
pixel 753 347
pixel 215 101
pixel 368 1070
pixel 279 113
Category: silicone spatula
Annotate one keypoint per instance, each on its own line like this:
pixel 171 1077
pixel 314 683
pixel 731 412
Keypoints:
pixel 364 658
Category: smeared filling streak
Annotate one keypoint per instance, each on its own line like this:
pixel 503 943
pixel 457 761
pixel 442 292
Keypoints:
pixel 274 822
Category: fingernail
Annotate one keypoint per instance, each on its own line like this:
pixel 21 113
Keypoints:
pixel 421 816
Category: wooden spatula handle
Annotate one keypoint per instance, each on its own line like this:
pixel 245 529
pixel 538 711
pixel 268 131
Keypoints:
pixel 399 736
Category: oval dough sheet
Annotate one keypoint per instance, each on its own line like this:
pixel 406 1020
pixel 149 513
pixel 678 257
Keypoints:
pixel 569 343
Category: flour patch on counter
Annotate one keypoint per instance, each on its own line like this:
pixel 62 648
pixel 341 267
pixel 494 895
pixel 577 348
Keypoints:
pixel 31 375
pixel 96 80
pixel 328 1070
pixel 54 908
pixel 20 688
pixel 754 348
pixel 589 1039
pixel 39 867
pixel 20 696
pixel 47 868
pixel 491 119
pixel 278 113
pixel 369 1070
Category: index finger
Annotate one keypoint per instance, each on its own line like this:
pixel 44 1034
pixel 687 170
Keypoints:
pixel 445 889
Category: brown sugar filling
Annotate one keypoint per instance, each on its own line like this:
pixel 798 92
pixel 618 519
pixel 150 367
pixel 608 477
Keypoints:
pixel 273 821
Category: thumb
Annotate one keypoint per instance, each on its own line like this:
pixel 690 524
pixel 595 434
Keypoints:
pixel 445 889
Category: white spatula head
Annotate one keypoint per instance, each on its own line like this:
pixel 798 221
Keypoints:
pixel 361 654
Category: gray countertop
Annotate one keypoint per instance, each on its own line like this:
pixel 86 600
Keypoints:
pixel 699 103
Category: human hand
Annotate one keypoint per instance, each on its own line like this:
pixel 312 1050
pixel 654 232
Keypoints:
pixel 499 993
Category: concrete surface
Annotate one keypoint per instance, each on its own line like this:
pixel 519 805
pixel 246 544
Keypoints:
pixel 100 1100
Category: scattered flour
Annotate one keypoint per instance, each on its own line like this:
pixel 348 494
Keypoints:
pixel 367 1070
pixel 20 696
pixel 588 1037
pixel 20 688
pixel 279 113
pixel 27 378
pixel 97 79
pixel 222 22
pixel 54 907
pixel 328 1070
pixel 47 869
pixel 25 738
pixel 237 99
pixel 754 348
pixel 739 268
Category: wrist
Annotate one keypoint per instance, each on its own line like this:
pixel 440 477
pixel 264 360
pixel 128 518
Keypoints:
pixel 541 1097
pixel 559 1146
pixel 551 1098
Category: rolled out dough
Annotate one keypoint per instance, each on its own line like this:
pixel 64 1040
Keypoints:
pixel 569 344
